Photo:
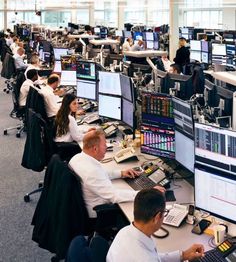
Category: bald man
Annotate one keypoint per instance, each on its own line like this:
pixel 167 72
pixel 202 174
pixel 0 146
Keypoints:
pixel 19 59
pixel 97 186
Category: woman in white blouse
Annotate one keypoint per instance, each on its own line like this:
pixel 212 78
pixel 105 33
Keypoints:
pixel 67 129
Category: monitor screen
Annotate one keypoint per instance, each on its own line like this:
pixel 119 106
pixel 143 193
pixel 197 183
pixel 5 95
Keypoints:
pixel 149 44
pixel 184 133
pixel 68 78
pixel 119 33
pixel 230 50
pixel 205 57
pixel 57 66
pixel 215 193
pixel 87 89
pixel 109 83
pixel 86 70
pixel 218 49
pixel 195 45
pixel 195 55
pixel 97 30
pixel 127 34
pixel 215 147
pixel 205 46
pixel 149 36
pixel 156 45
pixel 126 87
pixel 138 35
pixel 157 126
pixel 184 30
pixel 58 52
pixel 109 106
pixel 128 113
pixel 184 151
pixel 68 63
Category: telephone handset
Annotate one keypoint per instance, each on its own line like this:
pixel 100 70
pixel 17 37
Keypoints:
pixel 125 154
pixel 110 131
pixel 91 118
pixel 176 215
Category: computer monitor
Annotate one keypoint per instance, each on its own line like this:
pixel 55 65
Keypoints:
pixel 128 113
pixel 87 89
pixel 218 49
pixel 205 46
pixel 161 78
pixel 96 30
pixel 226 100
pixel 210 94
pixel 127 34
pixel 127 86
pixel 195 45
pixel 149 44
pixel 57 66
pixel 68 70
pixel 196 55
pixel 138 35
pixel 205 57
pixel 119 33
pixel 183 84
pixel 215 147
pixel 109 83
pixel 109 106
pixel 86 70
pixel 149 36
pixel 215 193
pixel 184 133
pixel 58 52
pixel 157 126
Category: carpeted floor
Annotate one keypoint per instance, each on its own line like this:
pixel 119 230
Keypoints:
pixel 15 214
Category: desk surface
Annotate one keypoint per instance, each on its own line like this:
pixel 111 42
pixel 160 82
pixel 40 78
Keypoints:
pixel 145 53
pixel 227 77
pixel 179 238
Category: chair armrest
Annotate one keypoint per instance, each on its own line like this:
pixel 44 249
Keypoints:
pixel 105 208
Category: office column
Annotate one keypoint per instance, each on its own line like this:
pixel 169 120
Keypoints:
pixel 74 15
pixel 174 28
pixel 5 14
pixel 91 14
pixel 121 15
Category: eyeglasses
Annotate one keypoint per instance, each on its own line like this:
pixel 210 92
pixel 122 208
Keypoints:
pixel 165 212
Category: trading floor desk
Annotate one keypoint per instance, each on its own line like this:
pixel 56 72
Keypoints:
pixel 179 238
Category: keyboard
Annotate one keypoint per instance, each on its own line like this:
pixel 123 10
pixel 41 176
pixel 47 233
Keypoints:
pixel 212 256
pixel 141 182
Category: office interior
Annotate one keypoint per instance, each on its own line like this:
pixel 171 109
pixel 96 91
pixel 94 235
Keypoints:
pixel 185 124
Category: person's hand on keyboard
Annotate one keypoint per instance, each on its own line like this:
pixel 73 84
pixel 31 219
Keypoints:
pixel 130 173
pixel 160 188
pixel 194 252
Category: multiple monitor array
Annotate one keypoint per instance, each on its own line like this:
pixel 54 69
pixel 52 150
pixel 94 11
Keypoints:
pixel 116 97
pixel 215 53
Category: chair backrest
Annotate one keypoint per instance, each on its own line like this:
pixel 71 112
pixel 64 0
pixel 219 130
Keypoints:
pixel 8 66
pixel 61 213
pixel 81 250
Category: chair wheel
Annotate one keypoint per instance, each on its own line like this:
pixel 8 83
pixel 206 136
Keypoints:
pixel 5 132
pixel 27 198
pixel 40 184
pixel 18 135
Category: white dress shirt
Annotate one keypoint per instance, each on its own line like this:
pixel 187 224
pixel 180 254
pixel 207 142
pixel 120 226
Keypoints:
pixel 52 101
pixel 126 46
pixel 24 90
pixel 14 47
pixel 96 183
pixel 30 66
pixel 132 245
pixel 19 62
pixel 74 133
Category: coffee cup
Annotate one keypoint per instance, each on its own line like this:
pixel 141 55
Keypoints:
pixel 219 234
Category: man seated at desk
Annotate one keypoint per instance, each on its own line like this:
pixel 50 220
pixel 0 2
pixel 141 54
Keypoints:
pixel 19 59
pixel 134 242
pixel 97 186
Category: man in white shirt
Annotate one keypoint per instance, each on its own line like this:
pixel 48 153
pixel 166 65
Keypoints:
pixel 31 77
pixel 51 99
pixel 14 46
pixel 134 242
pixel 127 44
pixel 96 181
pixel 139 46
pixel 19 59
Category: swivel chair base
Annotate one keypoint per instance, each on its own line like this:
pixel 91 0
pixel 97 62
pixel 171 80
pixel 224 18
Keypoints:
pixel 20 128
pixel 38 190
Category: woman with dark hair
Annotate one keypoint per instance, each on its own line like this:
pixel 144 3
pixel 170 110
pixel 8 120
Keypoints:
pixel 65 124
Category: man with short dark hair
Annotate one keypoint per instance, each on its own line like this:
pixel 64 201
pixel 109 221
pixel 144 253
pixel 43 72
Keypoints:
pixel 134 242
pixel 182 56
pixel 175 69
pixel 31 77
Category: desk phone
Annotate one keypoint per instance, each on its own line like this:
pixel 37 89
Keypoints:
pixel 91 118
pixel 176 215
pixel 225 252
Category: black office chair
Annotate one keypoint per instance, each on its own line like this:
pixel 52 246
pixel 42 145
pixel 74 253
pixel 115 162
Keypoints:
pixel 83 250
pixel 18 112
pixel 61 213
